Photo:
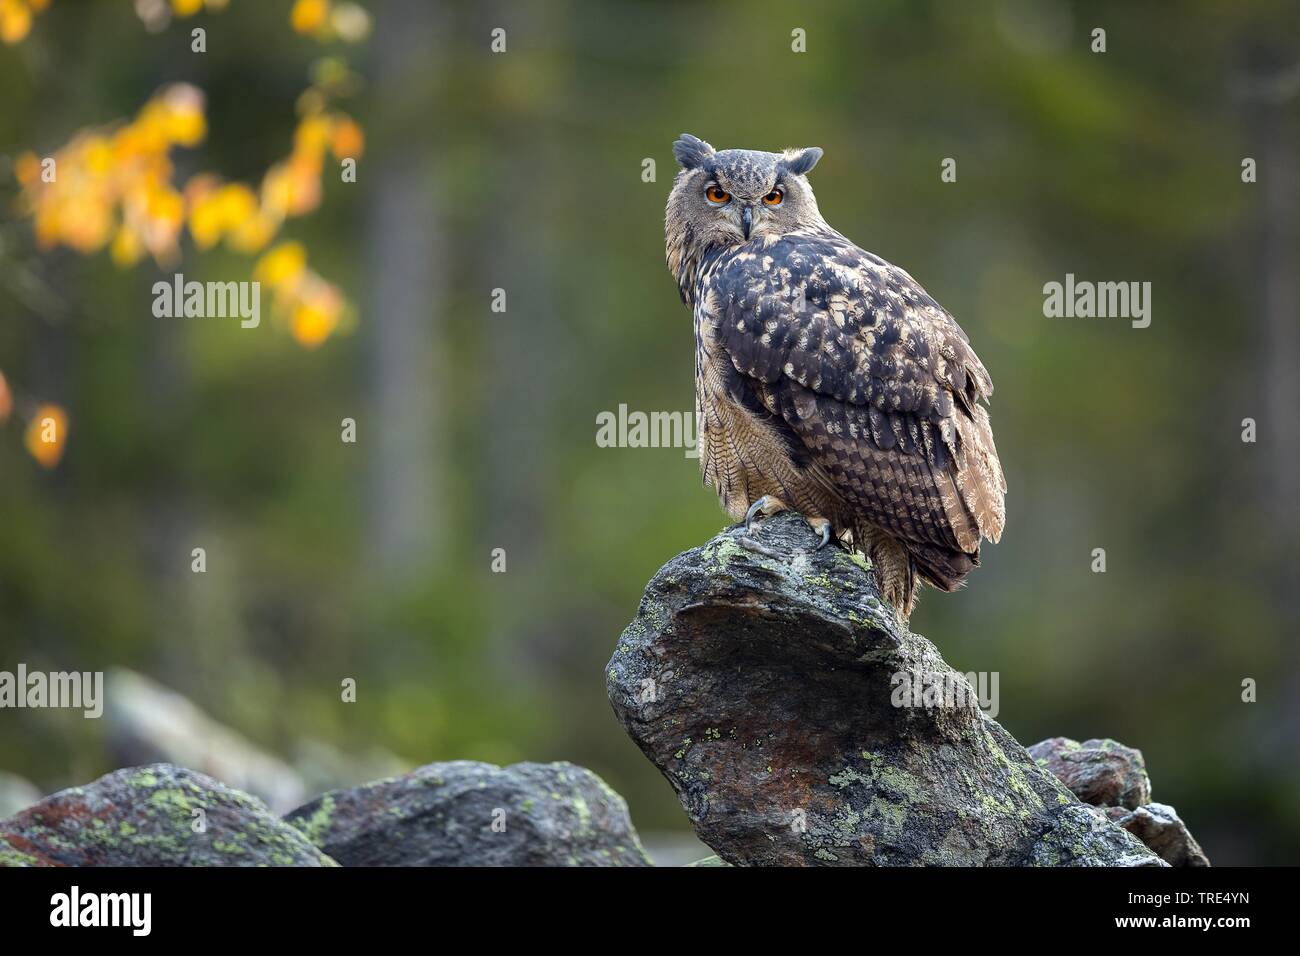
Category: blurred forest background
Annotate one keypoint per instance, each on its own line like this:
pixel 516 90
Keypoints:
pixel 522 171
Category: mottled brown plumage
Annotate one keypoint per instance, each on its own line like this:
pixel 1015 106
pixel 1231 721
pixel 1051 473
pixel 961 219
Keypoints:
pixel 827 379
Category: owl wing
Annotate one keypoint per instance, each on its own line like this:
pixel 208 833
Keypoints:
pixel 876 379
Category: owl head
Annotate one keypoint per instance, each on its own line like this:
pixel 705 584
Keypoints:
pixel 735 195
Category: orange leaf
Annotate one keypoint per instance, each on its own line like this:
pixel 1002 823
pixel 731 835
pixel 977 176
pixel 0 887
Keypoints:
pixel 47 435
pixel 308 16
pixel 347 141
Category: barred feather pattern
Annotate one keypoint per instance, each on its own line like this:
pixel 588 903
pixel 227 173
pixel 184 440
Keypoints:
pixel 828 377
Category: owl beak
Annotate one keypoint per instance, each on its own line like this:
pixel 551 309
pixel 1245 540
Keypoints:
pixel 747 219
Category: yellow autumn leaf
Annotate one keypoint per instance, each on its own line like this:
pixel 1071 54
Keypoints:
pixel 235 203
pixel 165 206
pixel 186 127
pixel 127 248
pixel 15 20
pixel 6 400
pixel 98 155
pixel 312 136
pixel 206 221
pixel 186 8
pixel 291 188
pixel 282 265
pixel 253 233
pixel 183 114
pixel 47 435
pixel 47 225
pixel 312 323
pixel 308 16
pixel 86 227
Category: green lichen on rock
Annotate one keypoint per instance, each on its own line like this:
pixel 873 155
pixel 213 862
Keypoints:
pixel 160 815
pixel 315 825
pixel 478 814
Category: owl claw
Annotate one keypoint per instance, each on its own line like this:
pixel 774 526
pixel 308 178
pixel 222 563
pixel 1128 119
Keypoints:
pixel 766 506
pixel 823 528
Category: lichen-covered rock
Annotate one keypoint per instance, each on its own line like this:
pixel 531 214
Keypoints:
pixel 1160 828
pixel 1104 773
pixel 465 813
pixel 766 680
pixel 1113 779
pixel 157 815
pixel 1080 836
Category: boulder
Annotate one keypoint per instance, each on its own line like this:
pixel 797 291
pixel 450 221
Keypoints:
pixel 465 813
pixel 1113 778
pixel 1104 773
pixel 1160 828
pixel 800 724
pixel 158 815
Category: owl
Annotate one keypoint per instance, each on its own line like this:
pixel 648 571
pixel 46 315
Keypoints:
pixel 827 381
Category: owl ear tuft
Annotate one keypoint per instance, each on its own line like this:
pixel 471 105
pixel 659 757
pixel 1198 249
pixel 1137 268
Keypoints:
pixel 801 161
pixel 691 151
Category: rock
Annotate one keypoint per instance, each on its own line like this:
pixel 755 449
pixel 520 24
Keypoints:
pixel 765 679
pixel 145 816
pixel 1104 773
pixel 466 813
pixel 147 723
pixel 1113 779
pixel 1160 828
pixel 16 794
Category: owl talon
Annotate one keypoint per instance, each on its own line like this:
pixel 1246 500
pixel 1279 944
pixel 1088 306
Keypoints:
pixel 823 527
pixel 765 506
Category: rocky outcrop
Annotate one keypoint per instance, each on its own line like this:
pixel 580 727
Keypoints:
pixel 1113 778
pixel 157 815
pixel 1159 827
pixel 801 725
pixel 1104 773
pixel 461 813
pixel 466 813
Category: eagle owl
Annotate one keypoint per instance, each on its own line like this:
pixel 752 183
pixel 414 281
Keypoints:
pixel 826 380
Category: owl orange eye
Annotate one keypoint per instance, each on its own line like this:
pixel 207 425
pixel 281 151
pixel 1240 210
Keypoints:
pixel 717 195
pixel 773 198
